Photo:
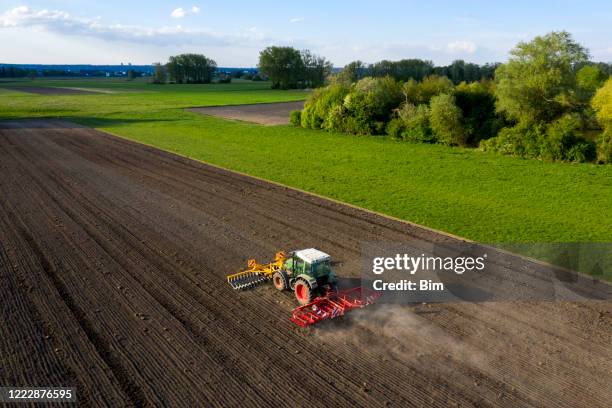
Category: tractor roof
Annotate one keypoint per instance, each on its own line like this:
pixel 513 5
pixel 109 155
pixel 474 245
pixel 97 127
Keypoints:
pixel 312 255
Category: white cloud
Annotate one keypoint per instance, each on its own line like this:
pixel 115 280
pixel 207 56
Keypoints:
pixel 60 22
pixel 181 12
pixel 178 13
pixel 458 47
pixel 296 20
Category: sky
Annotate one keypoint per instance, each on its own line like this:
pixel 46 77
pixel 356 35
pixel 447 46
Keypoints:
pixel 233 32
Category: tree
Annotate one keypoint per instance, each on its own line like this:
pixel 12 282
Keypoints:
pixel 353 72
pixel 590 77
pixel 191 69
pixel 602 103
pixel 283 65
pixel 402 70
pixel 538 83
pixel 316 69
pixel 477 103
pixel 446 120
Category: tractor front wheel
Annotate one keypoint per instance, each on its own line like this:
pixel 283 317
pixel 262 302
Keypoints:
pixel 280 280
pixel 303 292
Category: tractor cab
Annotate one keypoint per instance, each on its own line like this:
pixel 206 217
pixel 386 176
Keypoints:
pixel 309 261
pixel 308 272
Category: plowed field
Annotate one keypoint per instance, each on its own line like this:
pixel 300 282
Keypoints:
pixel 112 265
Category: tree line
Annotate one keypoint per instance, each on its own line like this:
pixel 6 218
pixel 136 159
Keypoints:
pixel 185 69
pixel 289 68
pixel 417 69
pixel 547 102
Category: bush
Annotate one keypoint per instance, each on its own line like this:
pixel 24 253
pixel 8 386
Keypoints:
pixel 522 140
pixel 363 108
pixel 446 120
pixel 320 103
pixel 295 118
pixel 396 128
pixel 581 152
pixel 370 103
pixel 558 141
pixel 602 103
pixel 604 147
pixel 412 124
pixel 562 142
pixel 418 93
pixel 335 119
pixel 477 103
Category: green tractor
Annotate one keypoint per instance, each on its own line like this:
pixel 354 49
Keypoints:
pixel 308 273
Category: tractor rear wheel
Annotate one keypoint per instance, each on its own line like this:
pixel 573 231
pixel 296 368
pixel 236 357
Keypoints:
pixel 303 292
pixel 280 280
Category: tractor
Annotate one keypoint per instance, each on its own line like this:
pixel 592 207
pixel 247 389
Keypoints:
pixel 309 275
pixel 307 272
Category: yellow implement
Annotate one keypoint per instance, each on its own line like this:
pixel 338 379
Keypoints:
pixel 256 273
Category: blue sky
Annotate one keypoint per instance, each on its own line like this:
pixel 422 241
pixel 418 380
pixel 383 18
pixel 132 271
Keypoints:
pixel 233 32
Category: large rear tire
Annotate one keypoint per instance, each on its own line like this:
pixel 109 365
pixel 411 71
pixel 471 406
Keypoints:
pixel 303 292
pixel 280 280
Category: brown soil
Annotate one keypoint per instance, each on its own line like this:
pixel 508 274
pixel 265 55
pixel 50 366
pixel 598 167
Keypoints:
pixel 263 113
pixel 44 90
pixel 112 264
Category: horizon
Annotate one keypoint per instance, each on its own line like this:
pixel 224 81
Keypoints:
pixel 90 33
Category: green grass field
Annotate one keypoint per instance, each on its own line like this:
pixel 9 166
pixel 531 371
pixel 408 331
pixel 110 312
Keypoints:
pixel 477 195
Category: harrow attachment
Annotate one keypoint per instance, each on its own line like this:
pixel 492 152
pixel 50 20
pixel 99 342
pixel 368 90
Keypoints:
pixel 256 273
pixel 333 305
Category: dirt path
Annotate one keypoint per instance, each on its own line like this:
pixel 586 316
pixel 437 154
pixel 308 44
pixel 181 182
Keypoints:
pixel 112 265
pixel 262 113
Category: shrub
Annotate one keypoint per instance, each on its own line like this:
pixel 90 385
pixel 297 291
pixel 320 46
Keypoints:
pixel 522 140
pixel 411 124
pixel 335 118
pixel 477 103
pixel 319 104
pixel 604 147
pixel 295 118
pixel 395 129
pixel 418 93
pixel 582 151
pixel 558 141
pixel 562 142
pixel 602 103
pixel 370 103
pixel 446 120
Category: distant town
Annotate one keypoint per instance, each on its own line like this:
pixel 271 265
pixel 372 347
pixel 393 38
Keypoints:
pixel 87 70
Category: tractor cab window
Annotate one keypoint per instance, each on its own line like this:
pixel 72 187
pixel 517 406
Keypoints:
pixel 298 265
pixel 321 267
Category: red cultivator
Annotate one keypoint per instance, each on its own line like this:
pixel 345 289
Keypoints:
pixel 333 305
